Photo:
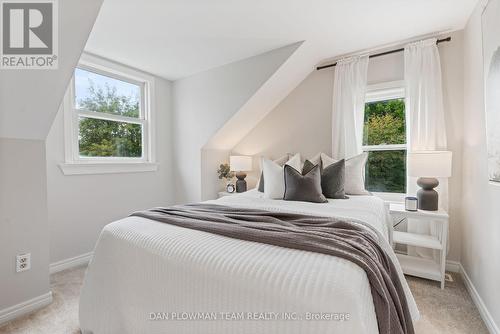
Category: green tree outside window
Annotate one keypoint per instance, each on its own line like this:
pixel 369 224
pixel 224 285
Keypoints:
pixel 106 138
pixel 384 124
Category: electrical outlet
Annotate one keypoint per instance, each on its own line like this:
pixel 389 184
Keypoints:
pixel 23 262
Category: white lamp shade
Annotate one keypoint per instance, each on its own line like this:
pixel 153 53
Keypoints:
pixel 240 163
pixel 430 163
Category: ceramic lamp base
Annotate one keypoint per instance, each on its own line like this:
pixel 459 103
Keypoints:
pixel 241 184
pixel 428 198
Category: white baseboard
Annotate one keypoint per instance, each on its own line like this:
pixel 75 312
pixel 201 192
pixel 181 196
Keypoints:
pixel 25 307
pixel 453 266
pixel 70 263
pixel 43 300
pixel 483 310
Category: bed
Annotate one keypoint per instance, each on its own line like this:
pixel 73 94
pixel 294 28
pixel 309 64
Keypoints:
pixel 149 277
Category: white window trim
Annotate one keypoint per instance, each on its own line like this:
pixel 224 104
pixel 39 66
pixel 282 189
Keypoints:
pixel 381 92
pixel 392 147
pixel 76 165
pixel 385 91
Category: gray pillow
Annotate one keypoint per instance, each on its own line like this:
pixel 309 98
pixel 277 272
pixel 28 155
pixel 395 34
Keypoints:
pixel 261 182
pixel 308 166
pixel 333 180
pixel 305 188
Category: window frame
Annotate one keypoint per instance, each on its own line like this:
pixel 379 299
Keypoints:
pixel 382 92
pixel 76 164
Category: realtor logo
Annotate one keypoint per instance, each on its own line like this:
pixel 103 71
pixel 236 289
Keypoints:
pixel 29 34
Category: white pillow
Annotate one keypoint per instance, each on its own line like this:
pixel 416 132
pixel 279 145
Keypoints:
pixel 274 176
pixel 280 161
pixel 316 159
pixel 354 173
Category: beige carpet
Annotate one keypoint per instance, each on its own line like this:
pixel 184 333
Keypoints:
pixel 443 311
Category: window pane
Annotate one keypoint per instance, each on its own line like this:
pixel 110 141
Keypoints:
pixel 103 138
pixel 384 123
pixel 386 171
pixel 95 92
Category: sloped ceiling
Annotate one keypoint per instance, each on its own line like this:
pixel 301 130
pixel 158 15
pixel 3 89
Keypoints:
pixel 29 99
pixel 273 91
pixel 178 38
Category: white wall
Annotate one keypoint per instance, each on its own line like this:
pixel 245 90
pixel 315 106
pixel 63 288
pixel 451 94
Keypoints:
pixel 480 200
pixel 210 162
pixel 23 220
pixel 204 102
pixel 80 205
pixel 29 100
pixel 452 76
pixel 302 121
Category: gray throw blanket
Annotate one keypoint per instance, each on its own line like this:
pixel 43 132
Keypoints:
pixel 325 235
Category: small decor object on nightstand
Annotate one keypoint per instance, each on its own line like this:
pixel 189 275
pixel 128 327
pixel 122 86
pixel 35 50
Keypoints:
pixel 224 172
pixel 240 164
pixel 427 166
pixel 411 203
pixel 230 188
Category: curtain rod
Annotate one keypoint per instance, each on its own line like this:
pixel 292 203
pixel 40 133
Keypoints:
pixel 447 39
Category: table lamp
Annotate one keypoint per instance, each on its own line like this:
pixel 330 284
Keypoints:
pixel 427 166
pixel 240 164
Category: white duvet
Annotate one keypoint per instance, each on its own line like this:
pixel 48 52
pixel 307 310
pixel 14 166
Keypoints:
pixel 148 277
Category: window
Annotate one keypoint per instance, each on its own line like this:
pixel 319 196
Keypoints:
pixel 108 116
pixel 110 123
pixel 384 138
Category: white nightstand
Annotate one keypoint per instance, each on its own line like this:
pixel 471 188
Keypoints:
pixel 225 193
pixel 416 266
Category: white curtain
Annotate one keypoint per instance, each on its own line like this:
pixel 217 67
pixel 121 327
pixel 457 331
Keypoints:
pixel 425 128
pixel 349 90
pixel 424 97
